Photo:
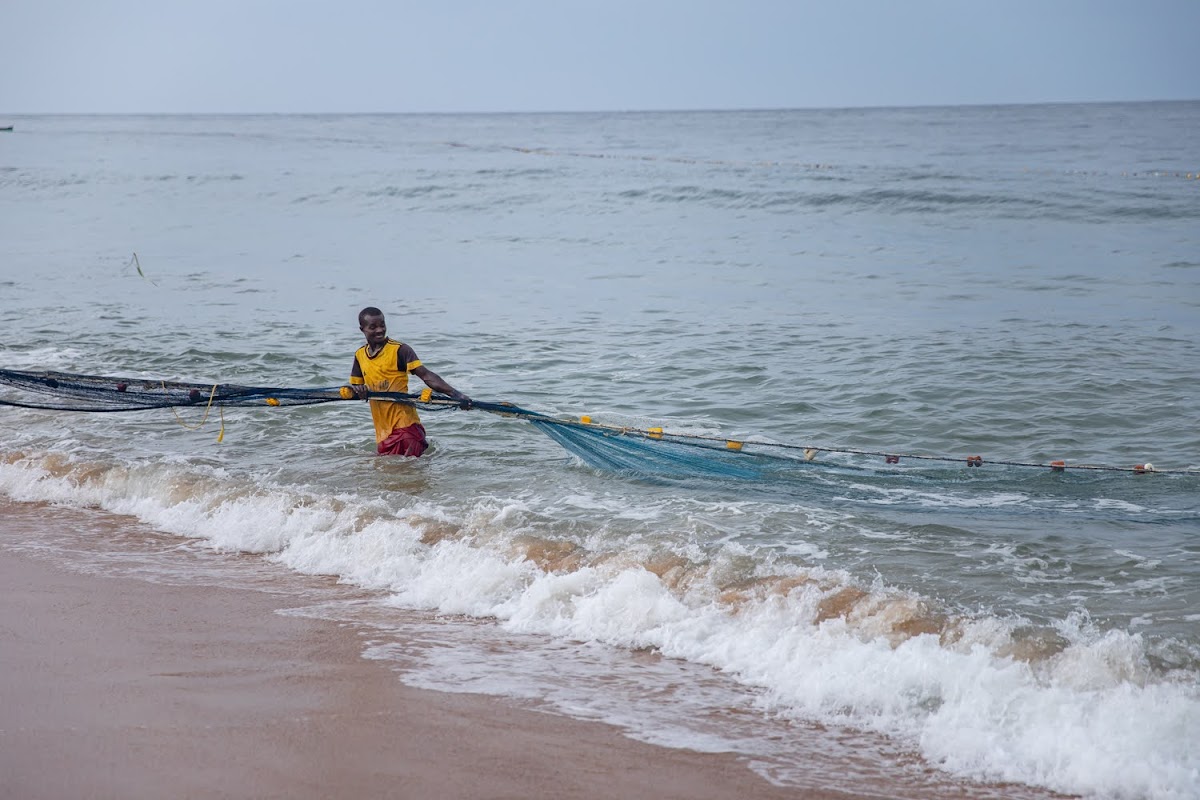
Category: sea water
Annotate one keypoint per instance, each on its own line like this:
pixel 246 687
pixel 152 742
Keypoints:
pixel 1018 282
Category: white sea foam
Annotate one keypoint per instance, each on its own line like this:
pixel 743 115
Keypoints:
pixel 1093 718
pixel 44 358
pixel 1119 505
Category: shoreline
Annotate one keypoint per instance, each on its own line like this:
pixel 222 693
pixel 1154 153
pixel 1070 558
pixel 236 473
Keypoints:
pixel 119 687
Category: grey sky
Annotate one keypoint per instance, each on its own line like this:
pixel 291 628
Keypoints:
pixel 532 55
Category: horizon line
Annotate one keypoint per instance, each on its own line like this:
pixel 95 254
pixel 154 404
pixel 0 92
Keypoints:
pixel 696 110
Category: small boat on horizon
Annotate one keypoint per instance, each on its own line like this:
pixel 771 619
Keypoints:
pixel 6 128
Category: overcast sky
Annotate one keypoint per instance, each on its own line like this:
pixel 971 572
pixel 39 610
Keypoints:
pixel 566 55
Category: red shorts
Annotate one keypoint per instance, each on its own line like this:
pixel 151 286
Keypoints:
pixel 408 441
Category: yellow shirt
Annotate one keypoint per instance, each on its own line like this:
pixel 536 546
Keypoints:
pixel 383 373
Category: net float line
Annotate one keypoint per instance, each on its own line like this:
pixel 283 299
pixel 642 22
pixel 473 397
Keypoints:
pixel 596 443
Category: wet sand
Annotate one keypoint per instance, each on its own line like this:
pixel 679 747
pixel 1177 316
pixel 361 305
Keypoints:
pixel 117 687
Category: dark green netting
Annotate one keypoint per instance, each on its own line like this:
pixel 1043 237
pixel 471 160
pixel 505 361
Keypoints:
pixel 96 393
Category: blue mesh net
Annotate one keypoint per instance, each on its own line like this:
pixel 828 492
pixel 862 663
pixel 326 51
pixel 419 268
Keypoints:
pixel 636 453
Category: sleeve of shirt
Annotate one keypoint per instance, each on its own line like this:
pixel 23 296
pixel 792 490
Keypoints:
pixel 356 380
pixel 407 359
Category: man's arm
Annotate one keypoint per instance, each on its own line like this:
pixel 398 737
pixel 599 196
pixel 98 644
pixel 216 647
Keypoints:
pixel 356 381
pixel 407 360
pixel 435 382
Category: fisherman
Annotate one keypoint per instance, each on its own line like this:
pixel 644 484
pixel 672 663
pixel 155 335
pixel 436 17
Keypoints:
pixel 382 365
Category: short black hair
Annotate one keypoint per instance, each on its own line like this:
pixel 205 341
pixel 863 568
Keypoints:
pixel 369 311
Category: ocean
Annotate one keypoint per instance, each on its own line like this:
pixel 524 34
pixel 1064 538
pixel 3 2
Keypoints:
pixel 1018 282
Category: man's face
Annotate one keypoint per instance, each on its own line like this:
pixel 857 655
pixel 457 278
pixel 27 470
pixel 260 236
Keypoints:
pixel 375 329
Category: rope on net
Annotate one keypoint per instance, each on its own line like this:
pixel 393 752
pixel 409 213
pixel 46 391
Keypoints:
pixel 603 446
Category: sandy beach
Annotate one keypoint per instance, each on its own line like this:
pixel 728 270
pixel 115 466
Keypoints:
pixel 118 687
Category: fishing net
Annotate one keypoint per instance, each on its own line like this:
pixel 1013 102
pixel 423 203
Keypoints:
pixel 96 393
pixel 610 448
pixel 664 455
pixel 639 451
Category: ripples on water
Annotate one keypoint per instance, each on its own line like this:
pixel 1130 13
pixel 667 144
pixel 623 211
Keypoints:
pixel 1016 282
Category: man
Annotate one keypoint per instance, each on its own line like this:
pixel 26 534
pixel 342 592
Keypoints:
pixel 382 365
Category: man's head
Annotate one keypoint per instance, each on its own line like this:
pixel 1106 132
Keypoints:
pixel 371 323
